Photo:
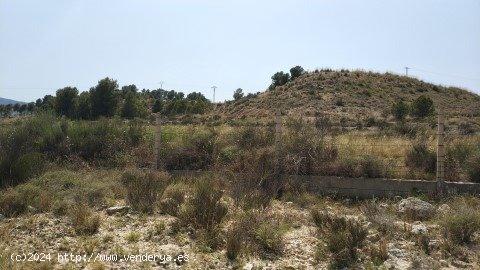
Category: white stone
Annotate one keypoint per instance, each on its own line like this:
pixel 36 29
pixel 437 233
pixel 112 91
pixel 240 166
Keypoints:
pixel 416 208
pixel 419 228
pixel 117 209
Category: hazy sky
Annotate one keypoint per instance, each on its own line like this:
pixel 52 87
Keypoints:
pixel 192 45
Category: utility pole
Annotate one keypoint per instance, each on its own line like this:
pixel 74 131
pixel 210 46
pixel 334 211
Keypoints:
pixel 406 71
pixel 161 84
pixel 214 88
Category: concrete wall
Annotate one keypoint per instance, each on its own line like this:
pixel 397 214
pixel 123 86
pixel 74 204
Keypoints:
pixel 364 187
pixel 375 187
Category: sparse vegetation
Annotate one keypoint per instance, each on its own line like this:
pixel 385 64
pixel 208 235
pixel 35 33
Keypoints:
pixel 60 176
pixel 462 222
pixel 84 220
pixel 204 210
pixel 143 188
pixel 343 236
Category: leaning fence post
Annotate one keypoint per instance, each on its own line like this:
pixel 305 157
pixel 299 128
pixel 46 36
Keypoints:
pixel 278 142
pixel 440 151
pixel 158 141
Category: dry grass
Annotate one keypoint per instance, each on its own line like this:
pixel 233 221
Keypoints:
pixel 363 95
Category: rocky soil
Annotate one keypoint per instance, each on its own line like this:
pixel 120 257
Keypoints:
pixel 123 233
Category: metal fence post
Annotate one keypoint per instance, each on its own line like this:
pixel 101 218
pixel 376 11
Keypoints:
pixel 158 141
pixel 440 151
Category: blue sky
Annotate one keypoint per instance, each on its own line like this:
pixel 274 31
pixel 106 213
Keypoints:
pixel 191 45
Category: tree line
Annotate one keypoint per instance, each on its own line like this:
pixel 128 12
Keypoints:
pixel 106 99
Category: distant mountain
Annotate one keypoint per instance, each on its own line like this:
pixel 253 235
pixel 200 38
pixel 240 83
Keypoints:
pixel 5 101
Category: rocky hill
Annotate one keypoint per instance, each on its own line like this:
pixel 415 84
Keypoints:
pixel 350 96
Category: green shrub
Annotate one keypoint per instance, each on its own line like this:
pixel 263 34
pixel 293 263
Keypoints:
pixel 27 166
pixel 269 238
pixel 133 237
pixel 422 107
pixel 473 168
pixel 400 110
pixel 304 148
pixel 204 210
pixel 22 145
pixel 193 152
pixel 60 208
pixel 234 243
pixel 12 203
pixel 143 188
pixel 379 252
pixel 250 136
pixel 373 167
pixel 173 197
pixel 84 221
pixel 380 218
pixel 343 236
pixel 134 134
pixel 35 196
pixel 254 231
pixel 420 157
pixel 252 179
pixel 96 139
pixel 461 223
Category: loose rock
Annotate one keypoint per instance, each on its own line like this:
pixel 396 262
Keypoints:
pixel 117 209
pixel 419 228
pixel 416 209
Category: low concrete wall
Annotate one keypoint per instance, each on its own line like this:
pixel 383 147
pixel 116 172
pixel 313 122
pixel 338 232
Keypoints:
pixel 364 187
pixel 376 187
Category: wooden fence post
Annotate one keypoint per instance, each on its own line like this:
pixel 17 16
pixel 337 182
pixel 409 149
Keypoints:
pixel 440 151
pixel 278 142
pixel 158 141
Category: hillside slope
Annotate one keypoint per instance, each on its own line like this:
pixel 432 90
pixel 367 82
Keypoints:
pixel 350 96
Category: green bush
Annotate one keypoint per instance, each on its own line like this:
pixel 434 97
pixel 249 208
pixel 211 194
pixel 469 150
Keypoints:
pixel 461 223
pixel 134 134
pixel 343 236
pixel 172 199
pixel 252 183
pixel 373 167
pixel 254 231
pixel 420 157
pixel 84 220
pixel 22 145
pixel 35 196
pixel 269 238
pixel 473 168
pixel 422 107
pixel 193 152
pixel 143 188
pixel 96 139
pixel 400 110
pixel 303 147
pixel 234 243
pixel 28 166
pixel 11 203
pixel 204 210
